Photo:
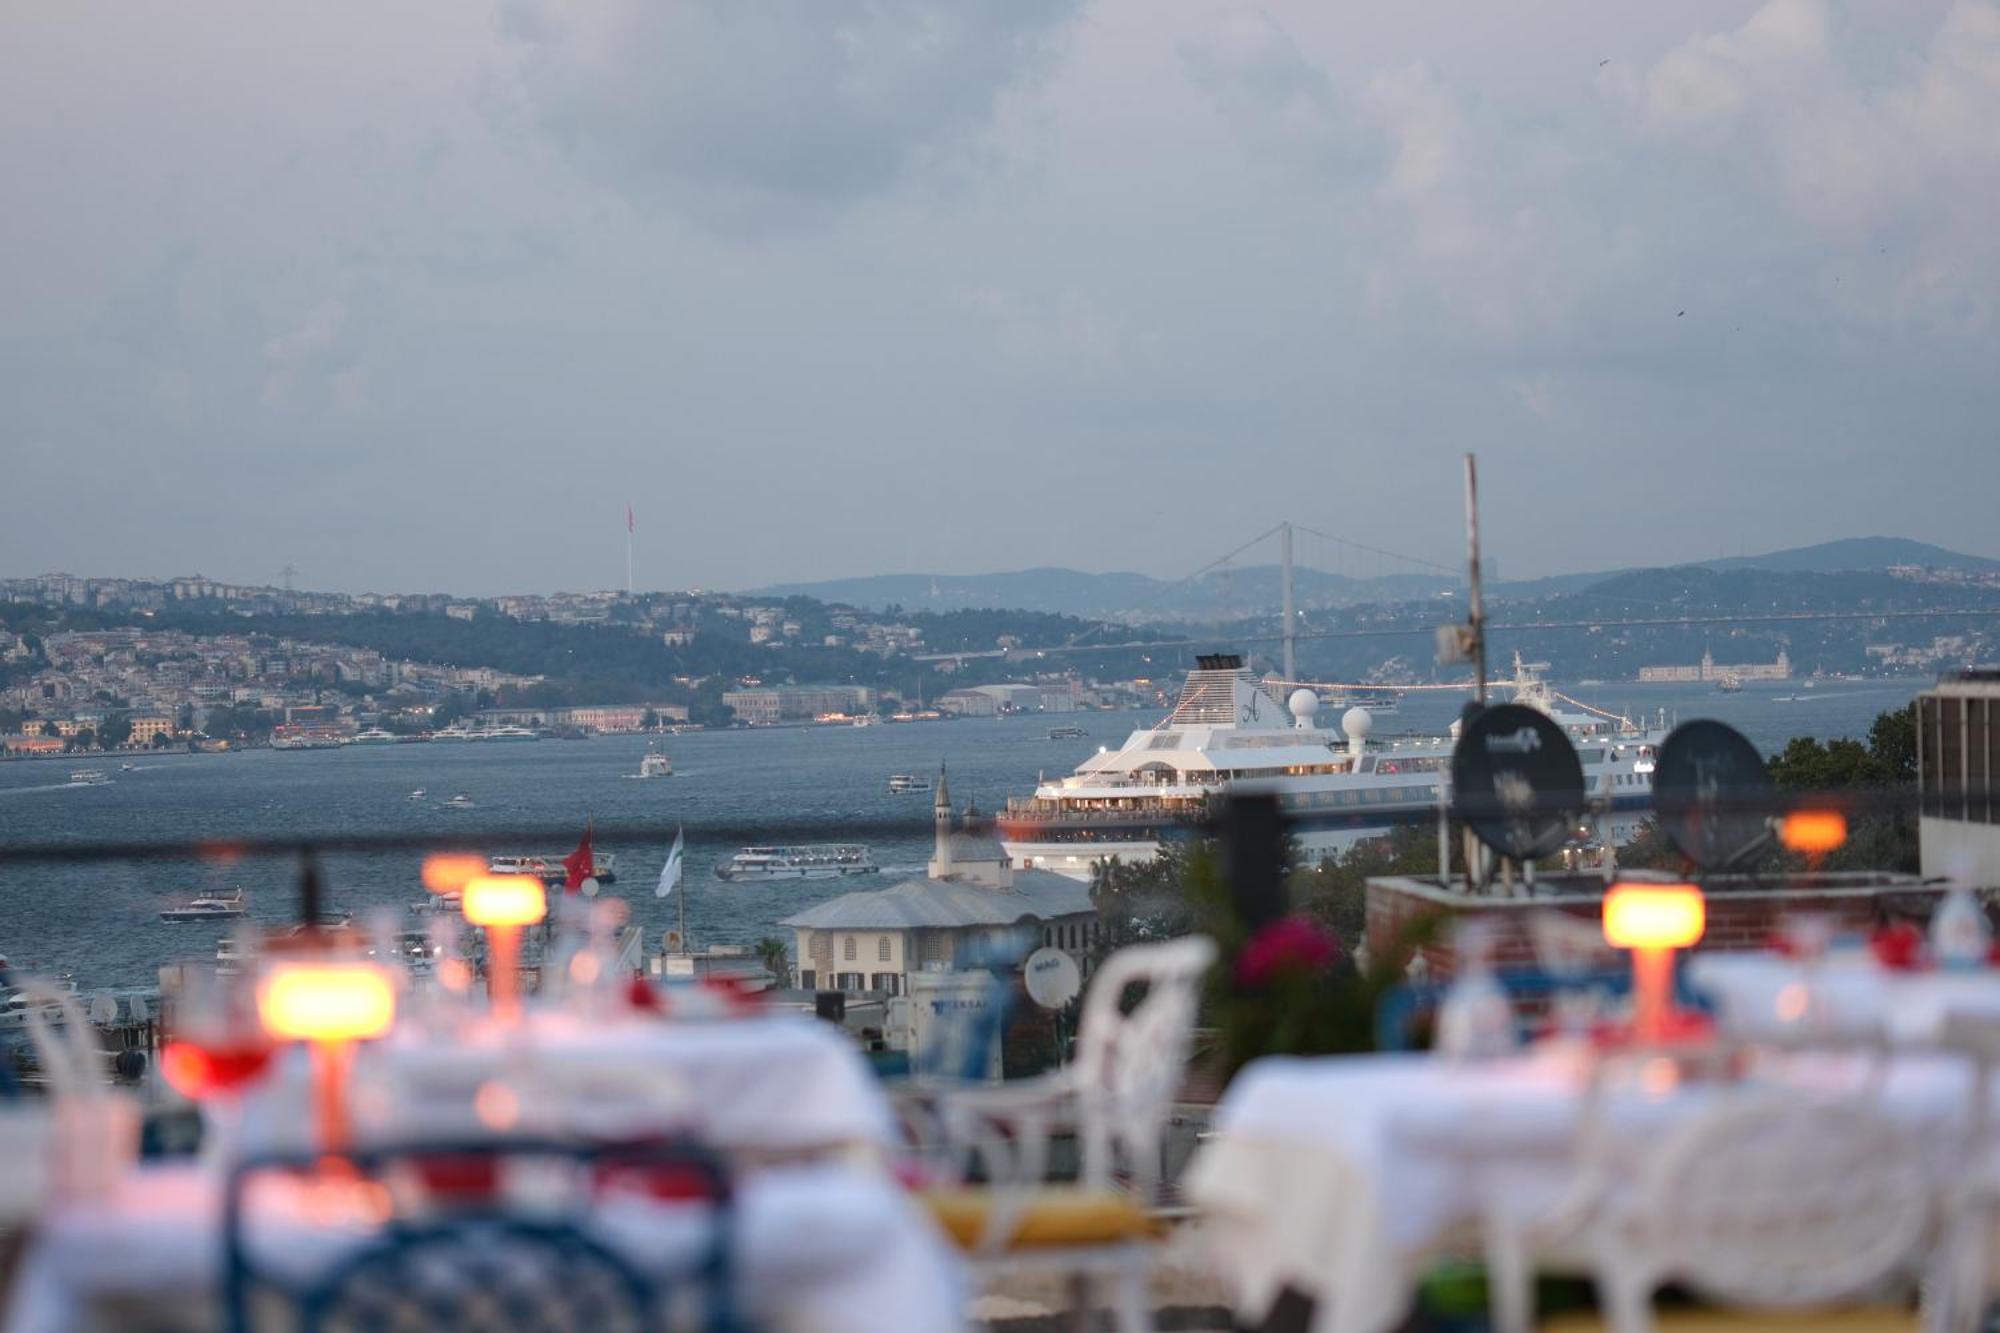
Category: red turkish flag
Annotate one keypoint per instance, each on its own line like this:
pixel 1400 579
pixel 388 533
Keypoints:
pixel 579 865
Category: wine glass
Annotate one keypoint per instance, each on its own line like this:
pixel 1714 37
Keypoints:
pixel 215 1046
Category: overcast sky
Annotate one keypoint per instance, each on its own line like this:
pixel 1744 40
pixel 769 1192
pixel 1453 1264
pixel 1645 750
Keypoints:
pixel 419 296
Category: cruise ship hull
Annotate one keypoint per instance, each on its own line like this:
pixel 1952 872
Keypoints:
pixel 1035 845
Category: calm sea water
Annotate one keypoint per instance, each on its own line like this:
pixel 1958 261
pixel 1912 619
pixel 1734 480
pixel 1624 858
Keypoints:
pixel 100 922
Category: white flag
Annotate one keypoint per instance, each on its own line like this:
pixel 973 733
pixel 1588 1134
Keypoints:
pixel 670 873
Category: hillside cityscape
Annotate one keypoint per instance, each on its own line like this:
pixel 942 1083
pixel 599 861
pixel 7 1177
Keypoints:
pixel 119 663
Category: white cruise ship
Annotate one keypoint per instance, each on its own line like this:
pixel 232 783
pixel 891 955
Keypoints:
pixel 1227 733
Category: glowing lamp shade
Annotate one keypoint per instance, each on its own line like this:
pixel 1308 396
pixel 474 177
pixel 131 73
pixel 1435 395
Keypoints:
pixel 505 900
pixel 450 872
pixel 326 1002
pixel 1654 916
pixel 1814 832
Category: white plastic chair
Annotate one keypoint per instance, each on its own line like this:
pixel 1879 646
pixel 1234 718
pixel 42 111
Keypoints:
pixel 1116 1095
pixel 1961 1283
pixel 1769 1202
pixel 94 1129
pixel 1767 1197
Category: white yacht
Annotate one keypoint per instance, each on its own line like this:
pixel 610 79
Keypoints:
pixel 549 869
pixel 1227 733
pixel 831 860
pixel 457 731
pixel 374 736
pixel 459 802
pixel 508 733
pixel 208 908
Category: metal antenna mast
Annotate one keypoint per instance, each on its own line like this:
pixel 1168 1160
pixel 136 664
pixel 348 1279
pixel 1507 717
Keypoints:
pixel 288 573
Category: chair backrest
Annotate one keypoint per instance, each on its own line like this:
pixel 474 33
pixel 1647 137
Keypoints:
pixel 1129 1063
pixel 1976 1036
pixel 457 1248
pixel 1775 1198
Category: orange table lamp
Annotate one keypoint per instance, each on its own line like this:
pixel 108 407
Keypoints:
pixel 1653 920
pixel 329 1005
pixel 502 904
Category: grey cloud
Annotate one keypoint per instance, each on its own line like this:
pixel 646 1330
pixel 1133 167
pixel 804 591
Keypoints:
pixel 763 110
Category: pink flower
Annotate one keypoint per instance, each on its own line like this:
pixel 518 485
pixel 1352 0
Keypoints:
pixel 1295 943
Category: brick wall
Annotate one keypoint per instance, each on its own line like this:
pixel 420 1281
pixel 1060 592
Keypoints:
pixel 1741 915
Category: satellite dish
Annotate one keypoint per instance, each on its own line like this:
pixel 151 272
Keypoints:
pixel 104 1010
pixel 1516 781
pixel 1705 781
pixel 1052 977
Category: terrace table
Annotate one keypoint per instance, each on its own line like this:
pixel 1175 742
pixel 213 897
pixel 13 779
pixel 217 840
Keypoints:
pixel 830 1248
pixel 1848 992
pixel 1345 1177
pixel 752 1087
pixel 826 1240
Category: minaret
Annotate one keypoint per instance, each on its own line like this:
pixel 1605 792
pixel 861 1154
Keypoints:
pixel 940 867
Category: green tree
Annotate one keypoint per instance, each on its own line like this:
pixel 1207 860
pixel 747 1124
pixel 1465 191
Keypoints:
pixel 649 719
pixel 775 954
pixel 116 731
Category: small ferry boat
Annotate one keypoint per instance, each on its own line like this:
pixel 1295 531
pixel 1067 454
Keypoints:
pixel 549 869
pixel 907 782
pixel 831 860
pixel 207 908
pixel 88 777
pixel 1067 733
pixel 655 765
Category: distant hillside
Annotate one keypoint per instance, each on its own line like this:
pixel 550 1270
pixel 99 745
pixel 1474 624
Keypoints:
pixel 1856 553
pixel 1253 590
pixel 1250 590
pixel 1848 555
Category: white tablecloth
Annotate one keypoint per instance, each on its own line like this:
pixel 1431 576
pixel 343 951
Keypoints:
pixel 781 1083
pixel 1345 1177
pixel 1847 992
pixel 830 1248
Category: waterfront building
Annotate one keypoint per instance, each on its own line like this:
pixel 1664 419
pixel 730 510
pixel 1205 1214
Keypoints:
pixel 1708 670
pixel 970 903
pixel 1958 746
pixel 769 704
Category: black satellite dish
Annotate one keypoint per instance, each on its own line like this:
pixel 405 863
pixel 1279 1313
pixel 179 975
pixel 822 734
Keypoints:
pixel 1711 791
pixel 1516 781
